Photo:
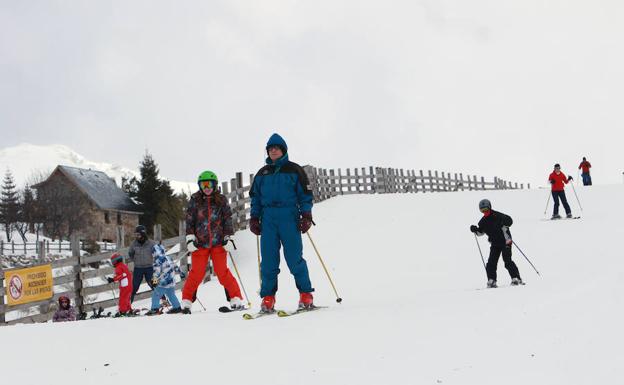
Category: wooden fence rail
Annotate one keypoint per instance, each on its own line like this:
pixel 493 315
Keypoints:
pixel 81 278
pixel 26 248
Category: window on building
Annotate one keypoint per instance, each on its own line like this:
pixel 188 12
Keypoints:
pixel 106 217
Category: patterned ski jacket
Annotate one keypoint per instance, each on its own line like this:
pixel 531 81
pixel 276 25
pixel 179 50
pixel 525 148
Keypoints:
pixel 64 315
pixel 280 184
pixel 164 267
pixel 209 218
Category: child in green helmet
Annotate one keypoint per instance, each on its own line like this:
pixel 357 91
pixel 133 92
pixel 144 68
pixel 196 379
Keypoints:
pixel 208 224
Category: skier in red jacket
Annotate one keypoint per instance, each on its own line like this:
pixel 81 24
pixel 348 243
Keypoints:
pixel 585 166
pixel 558 181
pixel 124 277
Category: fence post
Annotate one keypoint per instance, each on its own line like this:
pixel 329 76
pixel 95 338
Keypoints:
pixel 380 184
pixel 25 252
pixel 75 250
pixel 240 201
pixel 182 235
pixel 119 237
pixel 2 291
pixel 482 183
pixel 41 254
pixel 158 233
pixel 12 247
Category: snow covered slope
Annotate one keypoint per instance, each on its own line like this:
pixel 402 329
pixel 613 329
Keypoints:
pixel 409 272
pixel 25 159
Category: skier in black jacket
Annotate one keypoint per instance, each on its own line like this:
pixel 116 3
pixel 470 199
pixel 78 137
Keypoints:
pixel 496 226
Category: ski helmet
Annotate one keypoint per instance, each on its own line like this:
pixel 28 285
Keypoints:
pixel 116 258
pixel 557 165
pixel 207 176
pixel 485 204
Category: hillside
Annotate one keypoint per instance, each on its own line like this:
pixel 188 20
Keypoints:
pixel 410 275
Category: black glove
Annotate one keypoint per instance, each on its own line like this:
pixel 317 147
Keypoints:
pixel 474 229
pixel 305 222
pixel 569 178
pixel 110 280
pixel 552 181
pixel 254 225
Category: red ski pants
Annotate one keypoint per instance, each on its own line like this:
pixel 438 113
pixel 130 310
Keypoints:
pixel 199 261
pixel 124 299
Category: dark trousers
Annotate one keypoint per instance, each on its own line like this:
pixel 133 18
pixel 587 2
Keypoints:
pixel 137 276
pixel 560 195
pixel 586 179
pixel 495 252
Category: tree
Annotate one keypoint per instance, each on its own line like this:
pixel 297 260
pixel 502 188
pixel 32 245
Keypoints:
pixel 155 198
pixel 9 205
pixel 28 216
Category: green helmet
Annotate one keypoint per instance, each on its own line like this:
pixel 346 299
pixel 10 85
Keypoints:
pixel 207 175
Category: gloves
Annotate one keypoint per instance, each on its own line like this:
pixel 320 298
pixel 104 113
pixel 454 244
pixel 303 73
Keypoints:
pixel 569 178
pixel 474 229
pixel 551 181
pixel 190 243
pixel 225 241
pixel 110 280
pixel 254 225
pixel 305 222
pixel 182 275
pixel 155 281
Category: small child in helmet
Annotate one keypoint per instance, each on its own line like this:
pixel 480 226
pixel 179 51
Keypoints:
pixel 496 226
pixel 208 226
pixel 124 277
pixel 65 311
pixel 163 282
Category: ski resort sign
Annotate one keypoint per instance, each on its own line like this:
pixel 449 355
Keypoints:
pixel 29 285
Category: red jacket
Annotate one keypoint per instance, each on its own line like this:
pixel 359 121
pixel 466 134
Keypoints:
pixel 123 276
pixel 585 165
pixel 559 180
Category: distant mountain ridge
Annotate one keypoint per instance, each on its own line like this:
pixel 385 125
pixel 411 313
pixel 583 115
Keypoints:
pixel 24 160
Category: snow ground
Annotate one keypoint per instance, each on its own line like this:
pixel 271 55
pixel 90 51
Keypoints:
pixel 408 270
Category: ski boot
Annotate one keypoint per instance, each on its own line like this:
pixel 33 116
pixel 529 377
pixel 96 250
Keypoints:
pixel 306 301
pixel 175 310
pixel 186 306
pixel 569 215
pixel 153 312
pixel 268 304
pixel 516 282
pixel 556 216
pixel 236 304
pixel 491 283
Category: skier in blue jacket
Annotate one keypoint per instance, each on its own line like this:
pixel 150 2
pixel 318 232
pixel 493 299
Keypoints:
pixel 281 210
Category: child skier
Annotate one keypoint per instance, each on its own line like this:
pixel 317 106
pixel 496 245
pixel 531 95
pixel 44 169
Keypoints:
pixel 558 180
pixel 163 282
pixel 208 223
pixel 65 311
pixel 124 277
pixel 496 226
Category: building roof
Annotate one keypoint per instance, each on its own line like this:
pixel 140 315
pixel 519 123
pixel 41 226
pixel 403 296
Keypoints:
pixel 99 187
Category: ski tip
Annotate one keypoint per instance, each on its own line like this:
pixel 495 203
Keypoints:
pixel 248 316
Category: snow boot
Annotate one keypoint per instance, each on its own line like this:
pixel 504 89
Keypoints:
pixel 491 283
pixel 268 304
pixel 175 310
pixel 186 306
pixel 556 216
pixel 236 303
pixel 569 215
pixel 153 312
pixel 306 301
pixel 516 282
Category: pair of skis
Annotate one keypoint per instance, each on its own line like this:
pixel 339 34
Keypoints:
pixel 280 313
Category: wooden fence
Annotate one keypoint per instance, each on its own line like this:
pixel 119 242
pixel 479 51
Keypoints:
pixel 47 246
pixel 78 283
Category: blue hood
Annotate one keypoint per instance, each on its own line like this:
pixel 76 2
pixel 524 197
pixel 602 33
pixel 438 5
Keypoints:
pixel 277 140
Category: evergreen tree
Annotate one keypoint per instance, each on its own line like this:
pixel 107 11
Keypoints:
pixel 9 205
pixel 155 198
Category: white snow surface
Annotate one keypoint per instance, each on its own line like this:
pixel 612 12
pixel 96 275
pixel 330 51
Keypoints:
pixel 410 275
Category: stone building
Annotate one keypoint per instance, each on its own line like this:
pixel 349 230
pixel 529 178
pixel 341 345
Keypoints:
pixel 107 206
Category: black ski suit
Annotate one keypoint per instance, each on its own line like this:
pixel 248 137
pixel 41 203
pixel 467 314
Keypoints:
pixel 496 226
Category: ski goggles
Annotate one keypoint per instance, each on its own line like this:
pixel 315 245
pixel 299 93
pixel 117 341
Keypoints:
pixel 207 184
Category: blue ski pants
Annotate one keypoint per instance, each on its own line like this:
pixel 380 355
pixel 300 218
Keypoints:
pixel 279 227
pixel 167 291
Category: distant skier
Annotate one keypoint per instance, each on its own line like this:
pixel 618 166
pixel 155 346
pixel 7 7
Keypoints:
pixel 585 166
pixel 208 224
pixel 496 226
pixel 281 210
pixel 65 311
pixel 558 181
pixel 124 277
pixel 163 282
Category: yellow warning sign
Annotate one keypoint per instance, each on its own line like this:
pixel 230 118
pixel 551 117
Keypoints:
pixel 28 285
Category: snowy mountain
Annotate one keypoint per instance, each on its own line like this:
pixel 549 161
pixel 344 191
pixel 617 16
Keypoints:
pixel 25 160
pixel 414 310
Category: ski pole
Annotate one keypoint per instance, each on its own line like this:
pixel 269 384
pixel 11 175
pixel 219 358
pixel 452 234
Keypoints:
pixel 547 202
pixel 481 254
pixel 338 299
pixel 258 246
pixel 524 255
pixel 239 278
pixel 200 303
pixel 577 199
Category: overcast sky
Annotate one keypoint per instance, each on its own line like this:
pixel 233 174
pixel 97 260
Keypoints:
pixel 495 87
